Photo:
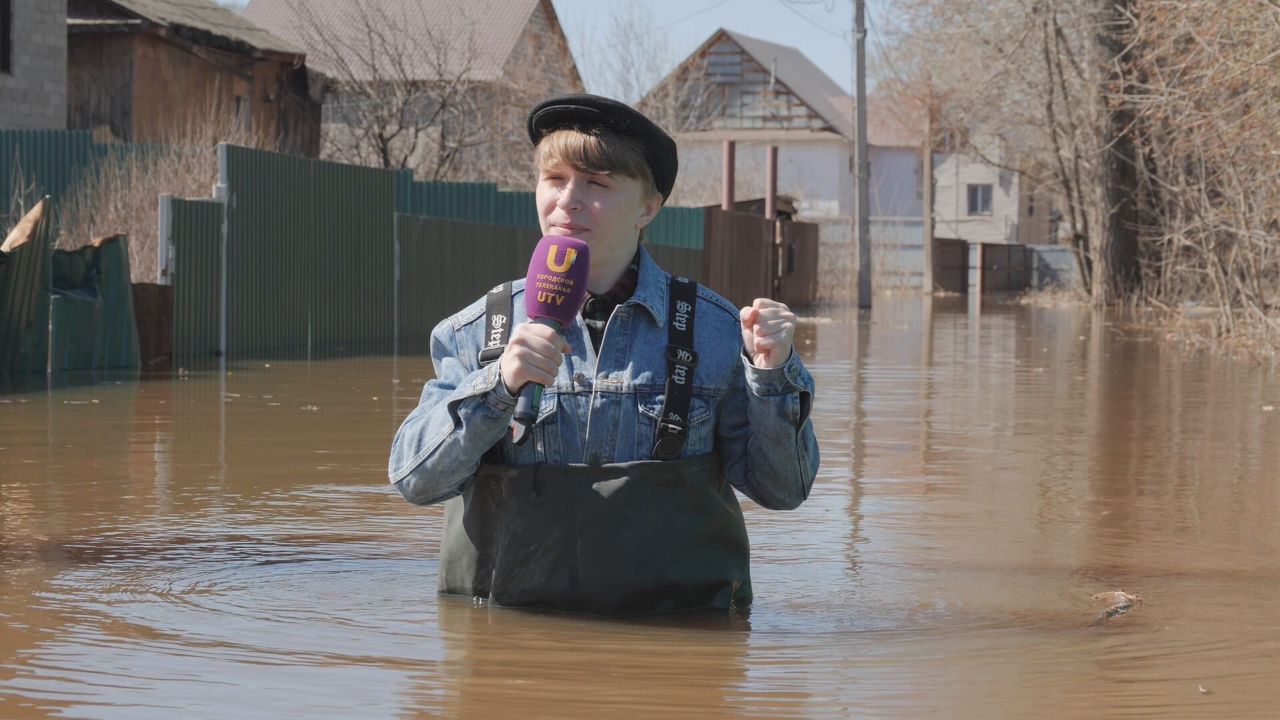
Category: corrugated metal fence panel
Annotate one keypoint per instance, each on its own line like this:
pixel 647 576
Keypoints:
pixel 678 227
pixel 454 201
pixel 675 240
pixel 798 285
pixel 351 257
pixel 24 303
pixel 518 209
pixel 96 330
pixel 1055 266
pixel 445 265
pixel 49 159
pixel 270 247
pixel 197 281
pixel 738 257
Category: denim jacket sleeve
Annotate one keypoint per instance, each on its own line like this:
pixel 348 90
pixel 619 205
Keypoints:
pixel 765 434
pixel 463 412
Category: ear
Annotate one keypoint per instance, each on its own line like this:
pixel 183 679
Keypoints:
pixel 649 210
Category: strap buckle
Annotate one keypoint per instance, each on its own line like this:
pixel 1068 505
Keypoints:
pixel 670 443
pixel 490 354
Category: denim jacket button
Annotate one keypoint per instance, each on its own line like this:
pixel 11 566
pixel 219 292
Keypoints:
pixel 579 378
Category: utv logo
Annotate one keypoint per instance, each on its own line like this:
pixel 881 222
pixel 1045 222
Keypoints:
pixel 562 265
pixel 682 316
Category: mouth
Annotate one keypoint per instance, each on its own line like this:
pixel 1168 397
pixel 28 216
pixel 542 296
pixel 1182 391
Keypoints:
pixel 572 230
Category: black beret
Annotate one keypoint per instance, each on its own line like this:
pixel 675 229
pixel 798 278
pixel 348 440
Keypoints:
pixel 588 111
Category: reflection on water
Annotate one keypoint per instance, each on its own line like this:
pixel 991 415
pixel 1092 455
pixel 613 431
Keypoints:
pixel 225 545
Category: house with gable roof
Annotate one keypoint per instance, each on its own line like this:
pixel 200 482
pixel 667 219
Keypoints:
pixel 505 54
pixel 141 70
pixel 757 94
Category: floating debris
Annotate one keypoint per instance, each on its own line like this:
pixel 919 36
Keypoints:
pixel 1204 690
pixel 310 408
pixel 1118 603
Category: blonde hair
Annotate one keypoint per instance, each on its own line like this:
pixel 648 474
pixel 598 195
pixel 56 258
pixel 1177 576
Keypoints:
pixel 596 150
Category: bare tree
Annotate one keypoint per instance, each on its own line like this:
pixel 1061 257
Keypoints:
pixel 399 95
pixel 1153 121
pixel 636 66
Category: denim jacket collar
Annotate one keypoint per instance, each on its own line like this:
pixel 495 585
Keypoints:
pixel 651 288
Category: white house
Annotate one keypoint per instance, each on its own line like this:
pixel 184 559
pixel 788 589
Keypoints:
pixel 758 94
pixel 977 201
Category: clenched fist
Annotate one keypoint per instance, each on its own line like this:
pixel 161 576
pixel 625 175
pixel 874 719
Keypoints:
pixel 534 354
pixel 768 330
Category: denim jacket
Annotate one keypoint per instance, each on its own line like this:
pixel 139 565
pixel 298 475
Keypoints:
pixel 605 409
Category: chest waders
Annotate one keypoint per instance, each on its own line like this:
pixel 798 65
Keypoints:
pixel 650 536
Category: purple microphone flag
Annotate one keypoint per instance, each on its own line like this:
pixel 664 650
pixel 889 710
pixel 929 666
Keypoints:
pixel 556 285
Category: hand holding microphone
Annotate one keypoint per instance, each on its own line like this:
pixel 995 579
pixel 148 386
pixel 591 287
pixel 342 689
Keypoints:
pixel 554 290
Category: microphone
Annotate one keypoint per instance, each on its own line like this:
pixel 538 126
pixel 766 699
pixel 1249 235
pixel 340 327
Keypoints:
pixel 554 290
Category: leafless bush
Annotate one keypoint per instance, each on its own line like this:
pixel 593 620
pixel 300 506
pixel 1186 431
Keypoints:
pixel 1154 122
pixel 1206 85
pixel 120 194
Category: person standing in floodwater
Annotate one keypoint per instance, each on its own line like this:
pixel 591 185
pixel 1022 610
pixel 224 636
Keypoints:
pixel 661 399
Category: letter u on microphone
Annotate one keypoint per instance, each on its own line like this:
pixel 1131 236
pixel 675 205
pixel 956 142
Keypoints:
pixel 554 289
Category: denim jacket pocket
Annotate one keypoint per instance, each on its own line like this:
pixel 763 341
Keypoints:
pixel 543 445
pixel 701 436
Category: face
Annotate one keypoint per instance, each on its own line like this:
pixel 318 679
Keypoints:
pixel 606 211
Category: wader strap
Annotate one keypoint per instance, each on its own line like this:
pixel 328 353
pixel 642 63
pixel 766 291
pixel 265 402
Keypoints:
pixel 497 323
pixel 673 422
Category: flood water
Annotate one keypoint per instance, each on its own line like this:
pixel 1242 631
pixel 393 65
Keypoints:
pixel 227 545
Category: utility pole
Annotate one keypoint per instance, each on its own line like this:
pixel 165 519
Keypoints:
pixel 862 201
pixel 926 188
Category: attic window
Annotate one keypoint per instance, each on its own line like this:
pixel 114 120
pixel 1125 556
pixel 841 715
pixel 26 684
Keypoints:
pixel 6 37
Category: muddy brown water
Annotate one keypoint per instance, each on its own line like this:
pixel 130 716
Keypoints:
pixel 226 545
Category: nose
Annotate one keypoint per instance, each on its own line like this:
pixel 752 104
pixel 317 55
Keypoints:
pixel 569 200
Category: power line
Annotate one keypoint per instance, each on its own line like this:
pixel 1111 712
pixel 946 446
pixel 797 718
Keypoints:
pixel 692 14
pixel 788 4
pixel 597 50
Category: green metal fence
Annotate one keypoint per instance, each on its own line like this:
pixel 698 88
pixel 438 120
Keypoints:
pixel 195 228
pixel 24 302
pixel 92 324
pixel 309 249
pixel 306 252
pixel 446 264
pixel 46 161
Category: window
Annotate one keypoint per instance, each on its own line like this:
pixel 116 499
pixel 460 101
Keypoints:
pixel 6 37
pixel 980 199
pixel 1031 206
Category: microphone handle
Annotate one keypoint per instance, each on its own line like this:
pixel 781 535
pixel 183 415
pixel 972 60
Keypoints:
pixel 530 399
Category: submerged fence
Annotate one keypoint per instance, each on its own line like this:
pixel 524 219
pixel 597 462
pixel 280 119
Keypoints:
pixel 295 257
pixel 66 310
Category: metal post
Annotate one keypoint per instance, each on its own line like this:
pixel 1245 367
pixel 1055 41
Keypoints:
pixel 726 183
pixel 862 204
pixel 926 186
pixel 771 181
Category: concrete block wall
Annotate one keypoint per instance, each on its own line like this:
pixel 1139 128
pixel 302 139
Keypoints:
pixel 34 94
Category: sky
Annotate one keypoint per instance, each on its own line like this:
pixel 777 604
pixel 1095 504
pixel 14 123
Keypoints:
pixel 821 29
